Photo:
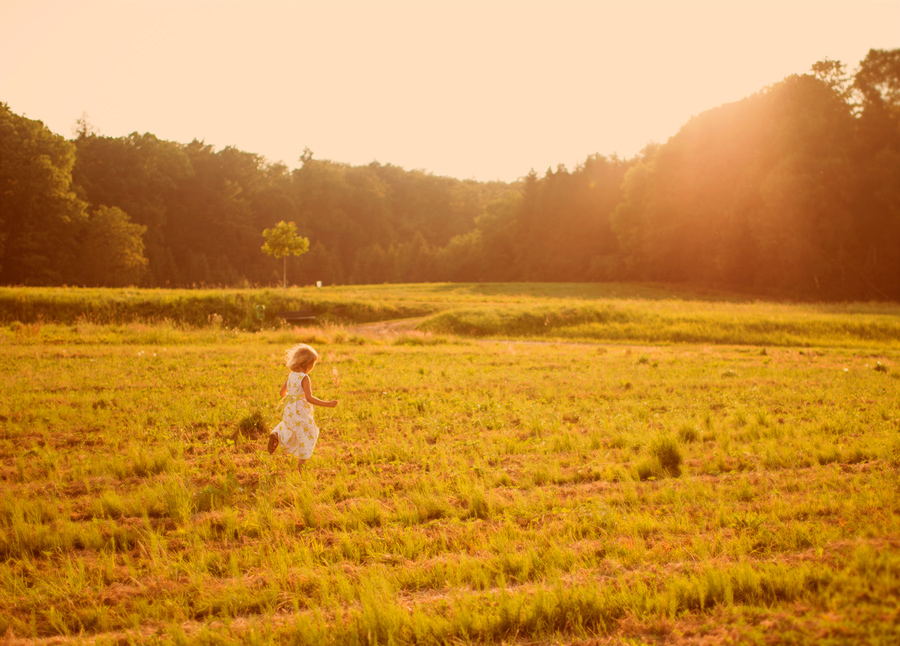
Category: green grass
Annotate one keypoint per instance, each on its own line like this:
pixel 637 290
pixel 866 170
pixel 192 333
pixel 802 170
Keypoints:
pixel 520 490
pixel 614 313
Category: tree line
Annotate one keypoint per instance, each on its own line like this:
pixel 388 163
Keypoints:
pixel 794 190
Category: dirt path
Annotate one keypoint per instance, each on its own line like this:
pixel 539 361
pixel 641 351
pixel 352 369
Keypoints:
pixel 382 329
pixel 387 328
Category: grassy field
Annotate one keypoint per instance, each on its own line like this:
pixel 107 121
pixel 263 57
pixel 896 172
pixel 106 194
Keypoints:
pixel 518 465
pixel 587 312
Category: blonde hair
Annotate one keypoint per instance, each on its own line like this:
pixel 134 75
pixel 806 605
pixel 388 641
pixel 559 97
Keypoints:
pixel 301 358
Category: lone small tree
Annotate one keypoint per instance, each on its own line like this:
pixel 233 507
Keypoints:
pixel 282 241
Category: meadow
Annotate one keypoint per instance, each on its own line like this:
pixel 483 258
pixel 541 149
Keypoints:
pixel 511 464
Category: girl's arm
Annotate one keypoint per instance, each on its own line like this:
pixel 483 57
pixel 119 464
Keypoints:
pixel 284 388
pixel 307 390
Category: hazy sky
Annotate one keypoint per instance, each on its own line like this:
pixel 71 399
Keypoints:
pixel 484 90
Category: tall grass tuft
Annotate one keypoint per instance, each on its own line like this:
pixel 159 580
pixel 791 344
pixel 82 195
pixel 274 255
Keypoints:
pixel 665 449
pixel 252 426
pixel 177 499
pixel 664 461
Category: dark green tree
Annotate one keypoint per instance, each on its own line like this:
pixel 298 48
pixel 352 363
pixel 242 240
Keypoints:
pixel 39 211
pixel 876 165
pixel 143 176
pixel 752 194
pixel 111 249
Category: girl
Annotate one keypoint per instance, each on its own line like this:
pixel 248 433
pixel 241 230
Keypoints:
pixel 297 430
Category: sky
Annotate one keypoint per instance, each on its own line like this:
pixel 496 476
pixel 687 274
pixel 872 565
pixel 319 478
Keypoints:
pixel 484 90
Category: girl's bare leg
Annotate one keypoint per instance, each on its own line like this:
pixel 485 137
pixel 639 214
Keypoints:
pixel 273 442
pixel 300 463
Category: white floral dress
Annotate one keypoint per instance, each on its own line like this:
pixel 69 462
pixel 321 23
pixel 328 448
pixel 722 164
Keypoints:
pixel 297 431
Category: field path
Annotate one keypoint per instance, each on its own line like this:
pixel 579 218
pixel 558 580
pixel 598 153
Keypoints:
pixel 387 328
pixel 395 327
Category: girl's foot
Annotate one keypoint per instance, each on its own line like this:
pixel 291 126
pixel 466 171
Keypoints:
pixel 273 442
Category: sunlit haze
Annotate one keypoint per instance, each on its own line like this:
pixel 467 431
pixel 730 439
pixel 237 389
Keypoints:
pixel 483 90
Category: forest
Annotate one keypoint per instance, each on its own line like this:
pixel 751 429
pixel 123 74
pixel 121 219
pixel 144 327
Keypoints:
pixel 793 191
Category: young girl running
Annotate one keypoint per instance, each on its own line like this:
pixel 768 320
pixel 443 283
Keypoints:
pixel 297 430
